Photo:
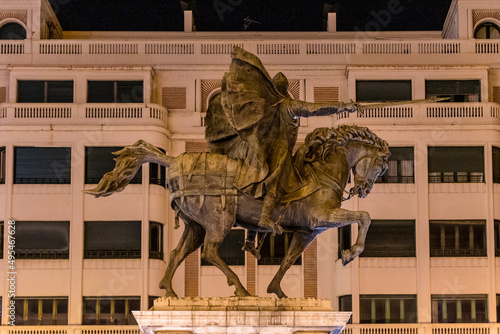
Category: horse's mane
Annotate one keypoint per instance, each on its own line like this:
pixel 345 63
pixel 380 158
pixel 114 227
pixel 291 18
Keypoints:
pixel 322 141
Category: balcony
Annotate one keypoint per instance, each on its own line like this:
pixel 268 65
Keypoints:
pixel 296 48
pixel 83 114
pixel 478 328
pixel 426 114
pixel 71 329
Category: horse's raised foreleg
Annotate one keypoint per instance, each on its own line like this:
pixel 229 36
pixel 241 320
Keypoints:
pixel 299 243
pixel 342 217
pixel 191 240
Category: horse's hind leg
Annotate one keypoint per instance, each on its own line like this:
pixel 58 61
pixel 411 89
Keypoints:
pixel 191 240
pixel 213 238
pixel 299 243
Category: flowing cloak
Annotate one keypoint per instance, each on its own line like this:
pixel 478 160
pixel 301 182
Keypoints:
pixel 259 127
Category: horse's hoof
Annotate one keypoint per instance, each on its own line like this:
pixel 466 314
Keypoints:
pixel 241 293
pixel 346 257
pixel 171 294
pixel 277 291
pixel 250 247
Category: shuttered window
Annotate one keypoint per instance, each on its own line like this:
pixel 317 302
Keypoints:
pixel 42 239
pixel 42 165
pixel 399 234
pixel 112 240
pixel 174 97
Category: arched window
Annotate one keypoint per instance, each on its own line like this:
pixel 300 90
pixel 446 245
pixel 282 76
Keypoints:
pixel 487 30
pixel 12 31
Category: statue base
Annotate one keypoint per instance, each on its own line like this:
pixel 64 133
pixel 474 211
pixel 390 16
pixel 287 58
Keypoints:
pixel 241 315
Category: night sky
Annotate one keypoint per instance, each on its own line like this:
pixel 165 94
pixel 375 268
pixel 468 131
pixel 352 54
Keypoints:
pixel 267 15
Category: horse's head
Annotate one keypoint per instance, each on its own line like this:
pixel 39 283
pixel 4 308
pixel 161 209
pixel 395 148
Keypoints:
pixel 366 170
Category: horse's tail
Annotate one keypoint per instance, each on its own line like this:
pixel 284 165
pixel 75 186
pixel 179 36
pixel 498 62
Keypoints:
pixel 128 161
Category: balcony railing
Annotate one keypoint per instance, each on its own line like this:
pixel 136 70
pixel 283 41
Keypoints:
pixel 181 50
pixel 70 329
pixel 476 328
pixel 427 113
pixel 88 113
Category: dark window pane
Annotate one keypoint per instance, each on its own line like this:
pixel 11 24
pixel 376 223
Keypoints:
pixel 112 239
pixel 100 160
pixel 30 91
pixel 129 92
pixel 487 30
pixel 155 240
pixel 100 92
pixel 399 234
pixel 383 90
pixel 42 165
pixel 230 249
pixel 2 164
pixel 274 249
pixel 157 174
pixel 497 238
pixel 455 90
pixel 42 240
pixel 59 92
pixel 456 164
pixel 345 305
pixel 12 31
pixel 496 164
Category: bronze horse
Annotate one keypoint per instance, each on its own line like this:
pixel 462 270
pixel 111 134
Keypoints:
pixel 210 211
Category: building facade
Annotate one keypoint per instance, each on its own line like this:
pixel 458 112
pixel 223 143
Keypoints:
pixel 69 99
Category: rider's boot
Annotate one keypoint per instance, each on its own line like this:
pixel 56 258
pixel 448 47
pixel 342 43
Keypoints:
pixel 249 246
pixel 266 217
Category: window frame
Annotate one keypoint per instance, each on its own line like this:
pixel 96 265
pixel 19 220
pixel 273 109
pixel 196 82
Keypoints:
pixel 378 84
pixel 43 253
pixel 389 251
pixel 457 226
pixel 3 164
pixel 452 176
pixel 399 177
pixel 94 98
pixel 495 159
pixel 486 24
pixel 12 23
pixel 99 318
pixel 49 95
pixel 435 299
pixel 452 96
pixel 64 159
pixel 39 306
pixel 93 161
pixel 156 254
pixel 408 316
pixel 110 252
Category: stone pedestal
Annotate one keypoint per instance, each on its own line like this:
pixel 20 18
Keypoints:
pixel 238 315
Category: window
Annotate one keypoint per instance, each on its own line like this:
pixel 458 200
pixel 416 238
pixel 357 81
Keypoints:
pixel 497 238
pixel 383 90
pixel 400 165
pixel 151 301
pixel 496 164
pixel 37 91
pixel 459 308
pixel 42 165
pixel 155 240
pixel 42 240
pixel 399 234
pixel 12 31
pixel 456 164
pixel 112 240
pixel 110 310
pixel 455 90
pixel 344 239
pixel 458 238
pixel 1 249
pixel 274 249
pixel 2 164
pixel 380 309
pixel 230 249
pixel 100 160
pixel 487 30
pixel 41 311
pixel 345 305
pixel 115 92
pixel 157 173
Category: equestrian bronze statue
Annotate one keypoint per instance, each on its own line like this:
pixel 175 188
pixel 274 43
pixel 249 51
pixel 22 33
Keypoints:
pixel 251 179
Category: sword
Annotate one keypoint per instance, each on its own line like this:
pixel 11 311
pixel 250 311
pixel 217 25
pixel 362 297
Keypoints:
pixel 399 103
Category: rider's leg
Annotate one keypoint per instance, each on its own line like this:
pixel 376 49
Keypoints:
pixel 266 217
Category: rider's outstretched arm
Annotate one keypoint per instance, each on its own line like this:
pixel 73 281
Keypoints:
pixel 298 108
